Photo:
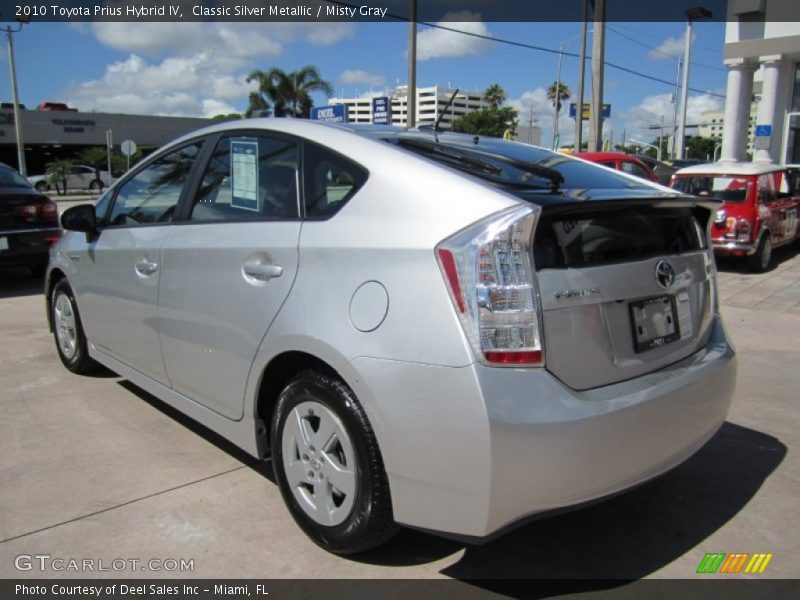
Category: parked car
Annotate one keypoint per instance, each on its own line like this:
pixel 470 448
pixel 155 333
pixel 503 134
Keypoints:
pixel 682 163
pixel 418 328
pixel 620 161
pixel 661 170
pixel 28 223
pixel 81 177
pixel 760 207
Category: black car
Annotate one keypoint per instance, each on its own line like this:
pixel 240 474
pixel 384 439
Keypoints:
pixel 661 170
pixel 28 223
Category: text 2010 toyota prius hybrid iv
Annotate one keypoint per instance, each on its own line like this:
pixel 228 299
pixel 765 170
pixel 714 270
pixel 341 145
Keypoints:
pixel 434 330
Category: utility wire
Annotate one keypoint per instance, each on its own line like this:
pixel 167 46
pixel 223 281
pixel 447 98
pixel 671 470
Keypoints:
pixel 534 47
pixel 567 53
pixel 667 54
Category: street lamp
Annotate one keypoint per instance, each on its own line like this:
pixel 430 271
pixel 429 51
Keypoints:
pixel 558 87
pixel 697 13
pixel 22 20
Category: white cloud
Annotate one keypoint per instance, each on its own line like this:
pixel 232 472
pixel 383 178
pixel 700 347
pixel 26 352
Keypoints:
pixel 544 115
pixel 672 47
pixel 190 69
pixel 356 76
pixel 652 109
pixel 441 43
pixel 245 40
pixel 213 107
pixel 176 86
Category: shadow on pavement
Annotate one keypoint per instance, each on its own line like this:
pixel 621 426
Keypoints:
pixel 637 533
pixel 260 466
pixel 16 282
pixel 624 538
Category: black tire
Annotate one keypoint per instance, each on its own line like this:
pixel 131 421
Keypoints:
pixel 363 519
pixel 96 186
pixel 761 260
pixel 74 356
pixel 42 186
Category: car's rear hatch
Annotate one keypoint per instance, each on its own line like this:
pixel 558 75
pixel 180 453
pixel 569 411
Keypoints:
pixel 626 287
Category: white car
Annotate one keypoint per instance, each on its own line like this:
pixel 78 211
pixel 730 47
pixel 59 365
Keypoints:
pixel 81 177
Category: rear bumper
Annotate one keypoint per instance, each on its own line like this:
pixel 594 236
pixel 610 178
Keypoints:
pixel 470 451
pixel 27 247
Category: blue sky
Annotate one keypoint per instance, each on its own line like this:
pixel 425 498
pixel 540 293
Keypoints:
pixel 199 69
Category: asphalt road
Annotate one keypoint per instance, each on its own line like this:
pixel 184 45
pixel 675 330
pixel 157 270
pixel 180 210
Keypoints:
pixel 94 468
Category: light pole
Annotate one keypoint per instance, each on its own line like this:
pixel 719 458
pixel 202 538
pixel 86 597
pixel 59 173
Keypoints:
pixel 411 98
pixel 10 31
pixel 557 99
pixel 692 14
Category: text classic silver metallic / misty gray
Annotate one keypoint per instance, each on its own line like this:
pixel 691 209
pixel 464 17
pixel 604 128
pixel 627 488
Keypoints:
pixel 419 328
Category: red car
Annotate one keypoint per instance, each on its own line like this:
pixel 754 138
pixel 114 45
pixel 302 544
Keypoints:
pixel 761 204
pixel 621 162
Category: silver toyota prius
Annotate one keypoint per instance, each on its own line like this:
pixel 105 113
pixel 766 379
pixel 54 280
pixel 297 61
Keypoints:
pixel 417 328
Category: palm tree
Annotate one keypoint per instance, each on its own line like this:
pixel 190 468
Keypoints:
pixel 563 94
pixel 58 171
pixel 289 93
pixel 495 96
pixel 95 157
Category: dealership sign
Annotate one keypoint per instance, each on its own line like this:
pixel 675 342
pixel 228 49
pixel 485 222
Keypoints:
pixel 572 112
pixel 335 114
pixel 381 111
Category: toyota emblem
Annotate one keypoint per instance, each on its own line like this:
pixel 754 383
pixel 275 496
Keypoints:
pixel 665 274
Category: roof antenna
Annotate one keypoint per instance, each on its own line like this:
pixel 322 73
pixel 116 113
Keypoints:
pixel 435 126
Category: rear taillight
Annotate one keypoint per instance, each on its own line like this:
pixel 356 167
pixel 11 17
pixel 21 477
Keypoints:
pixel 47 210
pixel 489 273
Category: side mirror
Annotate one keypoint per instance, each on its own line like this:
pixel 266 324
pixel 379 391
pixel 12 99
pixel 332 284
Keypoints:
pixel 81 218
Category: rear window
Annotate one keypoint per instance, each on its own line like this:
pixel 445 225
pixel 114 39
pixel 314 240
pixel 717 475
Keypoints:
pixel 10 178
pixel 611 236
pixel 510 164
pixel 727 189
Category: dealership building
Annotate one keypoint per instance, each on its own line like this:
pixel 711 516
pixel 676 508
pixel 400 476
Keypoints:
pixel 762 53
pixel 431 102
pixel 51 134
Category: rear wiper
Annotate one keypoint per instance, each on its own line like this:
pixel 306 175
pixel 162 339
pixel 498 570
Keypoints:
pixel 460 159
pixel 555 178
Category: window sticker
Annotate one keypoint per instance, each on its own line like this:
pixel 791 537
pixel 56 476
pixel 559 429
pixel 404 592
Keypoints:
pixel 244 175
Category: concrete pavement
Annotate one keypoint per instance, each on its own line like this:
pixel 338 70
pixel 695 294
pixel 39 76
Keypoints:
pixel 94 468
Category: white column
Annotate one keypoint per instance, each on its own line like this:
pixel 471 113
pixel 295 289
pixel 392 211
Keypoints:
pixel 737 110
pixel 766 107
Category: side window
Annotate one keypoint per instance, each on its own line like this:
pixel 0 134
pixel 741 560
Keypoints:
pixel 248 178
pixel 152 194
pixel 330 180
pixel 766 188
pixel 784 184
pixel 634 169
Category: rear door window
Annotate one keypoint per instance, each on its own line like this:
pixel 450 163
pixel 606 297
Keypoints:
pixel 248 178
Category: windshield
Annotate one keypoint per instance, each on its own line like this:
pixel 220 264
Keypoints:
pixel 728 189
pixel 516 165
pixel 10 178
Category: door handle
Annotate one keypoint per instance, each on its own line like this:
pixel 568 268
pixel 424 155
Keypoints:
pixel 145 266
pixel 262 271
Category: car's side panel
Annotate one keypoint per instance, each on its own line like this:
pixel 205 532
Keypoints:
pixel 212 314
pixel 118 300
